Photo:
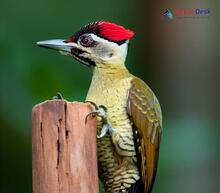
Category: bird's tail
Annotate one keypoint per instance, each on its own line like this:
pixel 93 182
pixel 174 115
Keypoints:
pixel 136 188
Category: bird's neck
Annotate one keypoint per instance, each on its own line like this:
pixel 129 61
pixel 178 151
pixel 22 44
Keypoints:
pixel 110 74
pixel 105 78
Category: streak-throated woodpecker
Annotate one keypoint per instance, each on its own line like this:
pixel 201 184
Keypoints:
pixel 128 112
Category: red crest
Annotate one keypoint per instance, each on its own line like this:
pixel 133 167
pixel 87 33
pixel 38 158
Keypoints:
pixel 106 30
pixel 114 32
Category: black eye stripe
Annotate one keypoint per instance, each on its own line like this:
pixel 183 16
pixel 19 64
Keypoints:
pixel 77 51
pixel 84 60
pixel 87 61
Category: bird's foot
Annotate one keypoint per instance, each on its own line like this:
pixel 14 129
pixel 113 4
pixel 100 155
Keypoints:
pixel 58 96
pixel 101 111
pixel 106 128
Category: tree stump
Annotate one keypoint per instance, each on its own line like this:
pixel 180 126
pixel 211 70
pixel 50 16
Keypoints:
pixel 64 148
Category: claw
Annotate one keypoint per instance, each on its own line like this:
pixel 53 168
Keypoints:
pixel 101 111
pixel 93 114
pixel 58 96
pixel 93 104
pixel 103 107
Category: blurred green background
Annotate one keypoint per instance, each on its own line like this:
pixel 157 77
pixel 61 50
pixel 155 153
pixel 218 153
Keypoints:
pixel 179 59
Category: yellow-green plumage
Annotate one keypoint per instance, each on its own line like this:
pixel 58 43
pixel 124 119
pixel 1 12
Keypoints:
pixel 111 87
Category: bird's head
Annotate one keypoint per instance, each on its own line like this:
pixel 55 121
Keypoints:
pixel 98 44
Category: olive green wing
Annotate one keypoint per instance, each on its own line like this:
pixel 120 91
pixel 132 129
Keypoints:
pixel 145 113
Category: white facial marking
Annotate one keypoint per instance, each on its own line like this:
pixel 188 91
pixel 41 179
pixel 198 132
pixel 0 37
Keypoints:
pixel 105 52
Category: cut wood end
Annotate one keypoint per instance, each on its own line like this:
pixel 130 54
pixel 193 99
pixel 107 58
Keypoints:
pixel 47 102
pixel 61 101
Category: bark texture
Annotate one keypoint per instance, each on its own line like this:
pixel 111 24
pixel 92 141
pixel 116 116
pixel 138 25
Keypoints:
pixel 64 148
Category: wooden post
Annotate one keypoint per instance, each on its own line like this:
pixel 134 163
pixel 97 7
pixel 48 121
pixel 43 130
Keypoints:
pixel 64 148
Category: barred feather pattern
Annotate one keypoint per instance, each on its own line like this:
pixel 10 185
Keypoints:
pixel 128 157
pixel 116 154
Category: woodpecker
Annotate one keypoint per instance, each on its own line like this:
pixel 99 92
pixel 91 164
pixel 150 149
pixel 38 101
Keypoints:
pixel 128 112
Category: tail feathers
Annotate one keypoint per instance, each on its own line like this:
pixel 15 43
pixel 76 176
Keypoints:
pixel 136 188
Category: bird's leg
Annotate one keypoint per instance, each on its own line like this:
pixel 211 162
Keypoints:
pixel 106 128
pixel 58 96
pixel 102 112
pixel 124 146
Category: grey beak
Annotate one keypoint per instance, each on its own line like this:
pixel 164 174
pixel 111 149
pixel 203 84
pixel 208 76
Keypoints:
pixel 59 45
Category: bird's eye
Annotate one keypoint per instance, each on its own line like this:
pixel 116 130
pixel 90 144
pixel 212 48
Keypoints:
pixel 86 41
